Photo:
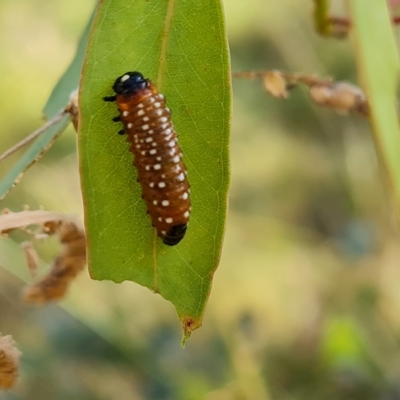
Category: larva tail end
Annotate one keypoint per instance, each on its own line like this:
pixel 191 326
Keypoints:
pixel 175 235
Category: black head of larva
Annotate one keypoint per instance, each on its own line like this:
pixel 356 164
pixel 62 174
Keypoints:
pixel 130 83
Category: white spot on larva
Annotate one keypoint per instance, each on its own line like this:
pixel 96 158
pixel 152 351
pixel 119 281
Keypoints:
pixel 154 144
pixel 164 126
pixel 167 110
pixel 158 112
pixel 145 119
pixel 140 112
pixel 168 131
pixel 140 105
pixel 155 202
pixel 138 146
pixel 157 166
pixel 151 99
pixel 161 96
pixel 172 152
pixel 165 203
pixel 157 104
pixel 185 196
pixel 150 132
pixel 160 219
pixel 125 78
pixel 163 176
pixel 161 184
pixel 129 126
pixel 153 151
pixel 149 139
pixel 158 158
pixel 125 113
pixel 176 159
pixel 164 119
pixel 186 214
pixel 168 138
pixel 180 177
pixel 164 232
pixel 145 127
pixel 151 184
pixel 147 167
pixel 169 220
pixel 171 143
pixel 143 153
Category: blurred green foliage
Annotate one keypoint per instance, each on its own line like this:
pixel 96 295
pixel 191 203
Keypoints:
pixel 305 303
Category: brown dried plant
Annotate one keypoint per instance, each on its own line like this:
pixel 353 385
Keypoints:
pixel 342 97
pixel 9 362
pixel 65 267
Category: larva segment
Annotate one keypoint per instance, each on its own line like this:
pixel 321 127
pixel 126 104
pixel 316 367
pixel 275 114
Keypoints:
pixel 158 157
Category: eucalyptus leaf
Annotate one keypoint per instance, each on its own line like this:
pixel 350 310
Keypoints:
pixel 181 46
pixel 378 65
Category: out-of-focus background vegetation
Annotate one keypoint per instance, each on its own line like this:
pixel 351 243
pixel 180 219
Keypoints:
pixel 306 301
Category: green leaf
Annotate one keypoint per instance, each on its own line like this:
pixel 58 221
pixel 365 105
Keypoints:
pixel 378 66
pixel 69 82
pixel 342 342
pixel 57 101
pixel 181 46
pixel 321 17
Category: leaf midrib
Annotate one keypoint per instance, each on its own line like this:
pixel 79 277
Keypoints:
pixel 161 74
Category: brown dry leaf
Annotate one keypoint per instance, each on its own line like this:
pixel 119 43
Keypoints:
pixel 342 97
pixel 65 267
pixel 275 84
pixel 31 256
pixel 9 362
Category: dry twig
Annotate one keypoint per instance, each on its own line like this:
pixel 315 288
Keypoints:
pixel 71 108
pixel 342 97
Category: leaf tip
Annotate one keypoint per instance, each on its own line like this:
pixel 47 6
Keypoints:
pixel 189 325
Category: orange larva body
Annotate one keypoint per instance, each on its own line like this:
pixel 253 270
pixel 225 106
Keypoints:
pixel 158 157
